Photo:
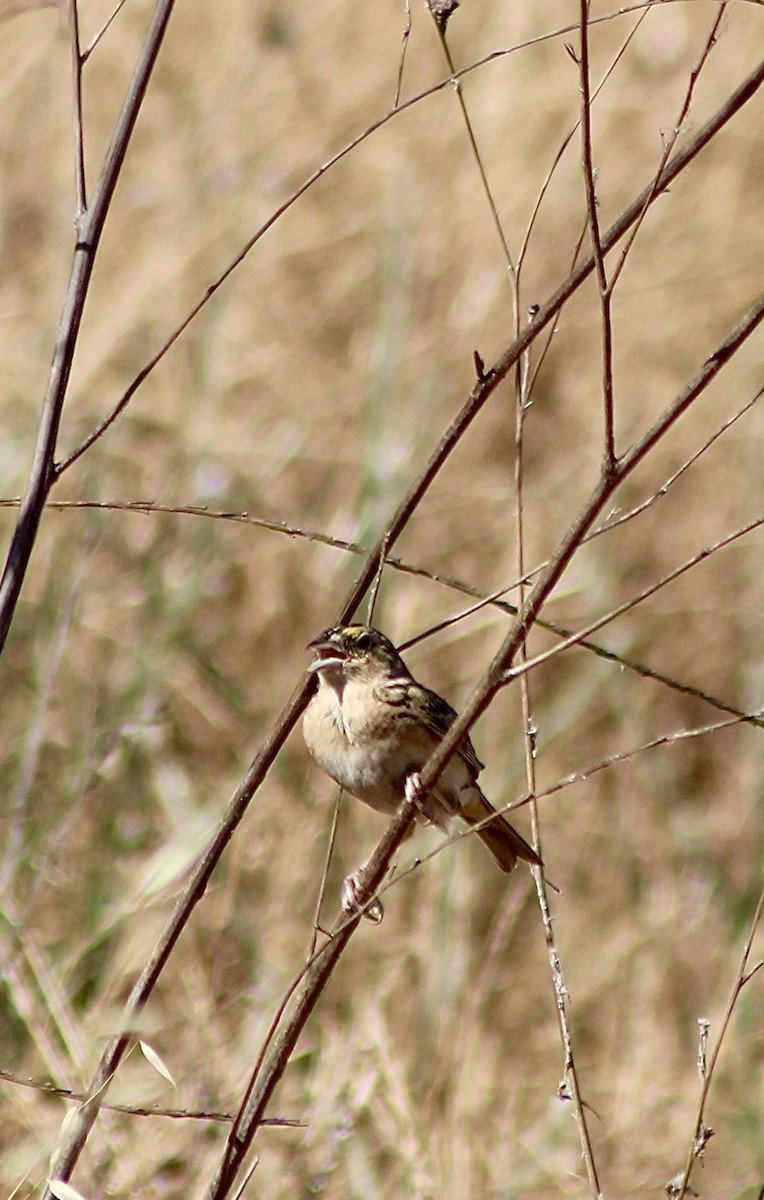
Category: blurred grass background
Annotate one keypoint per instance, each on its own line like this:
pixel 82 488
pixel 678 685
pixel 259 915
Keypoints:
pixel 151 652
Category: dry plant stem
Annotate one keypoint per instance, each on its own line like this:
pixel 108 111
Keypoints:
pixel 616 521
pixel 376 582
pixel 274 1062
pixel 276 1058
pixel 89 230
pixel 325 875
pixel 106 25
pixel 404 47
pixel 567 140
pixel 77 1133
pixel 530 744
pixel 596 241
pixel 79 136
pixel 277 1055
pixel 614 760
pixel 552 330
pixel 246 1178
pixel 232 266
pixel 570 780
pixel 443 36
pixel 671 141
pixel 741 979
pixel 212 1115
pixel 458 585
pixel 576 639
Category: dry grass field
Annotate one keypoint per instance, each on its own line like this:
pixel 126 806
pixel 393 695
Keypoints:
pixel 152 651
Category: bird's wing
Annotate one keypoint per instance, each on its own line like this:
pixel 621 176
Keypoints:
pixel 435 714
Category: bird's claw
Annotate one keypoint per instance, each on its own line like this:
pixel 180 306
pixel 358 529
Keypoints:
pixel 351 900
pixel 414 791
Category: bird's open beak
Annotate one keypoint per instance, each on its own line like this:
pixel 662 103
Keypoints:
pixel 329 657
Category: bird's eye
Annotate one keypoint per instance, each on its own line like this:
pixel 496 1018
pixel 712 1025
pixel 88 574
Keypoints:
pixel 364 641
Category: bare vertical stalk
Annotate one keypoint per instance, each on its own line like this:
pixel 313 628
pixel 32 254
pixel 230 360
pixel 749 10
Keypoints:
pixel 569 1087
pixel 404 47
pixel 90 228
pixel 79 132
pixel 671 140
pixel 605 293
pixel 701 1133
pixel 441 27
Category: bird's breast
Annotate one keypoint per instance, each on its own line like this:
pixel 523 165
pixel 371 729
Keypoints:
pixel 352 736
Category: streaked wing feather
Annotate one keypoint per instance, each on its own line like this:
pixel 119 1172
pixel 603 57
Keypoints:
pixel 435 713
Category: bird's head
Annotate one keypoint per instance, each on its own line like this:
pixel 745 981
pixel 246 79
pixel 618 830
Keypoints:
pixel 355 651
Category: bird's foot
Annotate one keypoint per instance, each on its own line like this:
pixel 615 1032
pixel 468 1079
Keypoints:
pixel 424 803
pixel 414 791
pixel 352 904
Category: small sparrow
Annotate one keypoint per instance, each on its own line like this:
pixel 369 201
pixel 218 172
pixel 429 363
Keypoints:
pixel 372 727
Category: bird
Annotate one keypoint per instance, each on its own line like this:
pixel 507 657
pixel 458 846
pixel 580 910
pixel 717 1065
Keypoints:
pixel 371 727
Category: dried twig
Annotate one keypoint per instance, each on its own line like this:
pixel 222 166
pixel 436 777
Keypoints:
pixel 670 141
pixel 569 1087
pixel 605 293
pixel 212 1115
pixel 608 617
pixel 497 673
pixel 90 228
pixel 701 1132
pixel 404 47
pixel 441 28
pixel 79 134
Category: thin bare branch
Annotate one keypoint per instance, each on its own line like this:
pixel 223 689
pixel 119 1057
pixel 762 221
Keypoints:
pixel 550 334
pixel 570 1087
pixel 43 474
pixel 548 578
pixel 670 141
pixel 605 296
pixel 441 28
pixel 213 1116
pixel 79 132
pixel 581 775
pixel 106 25
pixel 616 521
pixel 404 47
pixel 218 282
pixel 633 601
pixel 569 138
pixel 700 1134
pixel 330 844
pixel 614 760
pixel 492 600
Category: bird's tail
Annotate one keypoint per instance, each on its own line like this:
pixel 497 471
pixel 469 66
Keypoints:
pixel 504 842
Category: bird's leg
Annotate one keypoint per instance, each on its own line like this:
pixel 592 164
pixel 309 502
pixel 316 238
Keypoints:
pixel 353 886
pixel 350 898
